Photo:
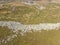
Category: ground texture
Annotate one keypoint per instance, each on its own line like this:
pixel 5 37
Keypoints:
pixel 23 24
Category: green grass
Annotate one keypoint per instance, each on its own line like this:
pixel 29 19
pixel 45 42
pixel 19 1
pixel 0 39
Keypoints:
pixel 44 37
pixel 31 15
pixel 4 33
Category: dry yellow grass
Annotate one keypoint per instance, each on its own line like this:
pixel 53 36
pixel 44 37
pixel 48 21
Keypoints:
pixel 16 4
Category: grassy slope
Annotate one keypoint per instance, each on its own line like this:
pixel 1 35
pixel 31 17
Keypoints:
pixel 30 14
pixel 44 37
pixel 4 33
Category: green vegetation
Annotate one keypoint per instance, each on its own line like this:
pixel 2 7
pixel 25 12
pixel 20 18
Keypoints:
pixel 42 37
pixel 30 14
pixel 4 33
